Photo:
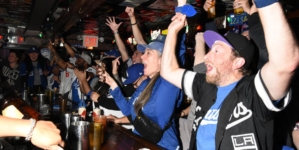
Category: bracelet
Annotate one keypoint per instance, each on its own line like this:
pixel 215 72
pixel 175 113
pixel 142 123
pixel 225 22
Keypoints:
pixel 30 133
pixel 89 93
pixel 116 32
pixel 133 23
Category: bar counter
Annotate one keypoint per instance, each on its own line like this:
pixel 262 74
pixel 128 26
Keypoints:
pixel 119 138
pixel 116 137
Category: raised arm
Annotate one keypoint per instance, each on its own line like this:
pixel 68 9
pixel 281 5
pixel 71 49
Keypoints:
pixel 120 44
pixel 200 50
pixel 283 49
pixel 136 32
pixel 115 64
pixel 68 48
pixel 56 57
pixel 169 68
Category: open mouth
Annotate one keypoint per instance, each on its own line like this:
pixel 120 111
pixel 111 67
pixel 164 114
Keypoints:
pixel 209 68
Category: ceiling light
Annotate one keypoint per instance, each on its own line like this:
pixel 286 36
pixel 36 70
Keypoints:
pixel 101 39
pixel 40 34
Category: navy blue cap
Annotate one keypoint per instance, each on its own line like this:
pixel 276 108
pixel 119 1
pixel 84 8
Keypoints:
pixel 33 50
pixel 112 52
pixel 134 72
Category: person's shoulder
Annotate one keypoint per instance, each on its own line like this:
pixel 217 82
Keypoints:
pixel 247 83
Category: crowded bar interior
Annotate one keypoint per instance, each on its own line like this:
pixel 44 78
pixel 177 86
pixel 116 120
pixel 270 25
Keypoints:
pixel 149 74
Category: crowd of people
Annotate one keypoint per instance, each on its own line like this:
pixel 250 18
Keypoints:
pixel 241 88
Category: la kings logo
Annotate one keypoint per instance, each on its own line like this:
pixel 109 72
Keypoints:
pixel 242 141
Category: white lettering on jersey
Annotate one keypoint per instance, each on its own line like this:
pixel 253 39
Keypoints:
pixel 244 142
pixel 240 114
pixel 211 117
pixel 196 123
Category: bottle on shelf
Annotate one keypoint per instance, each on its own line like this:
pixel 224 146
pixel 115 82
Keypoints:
pixel 25 94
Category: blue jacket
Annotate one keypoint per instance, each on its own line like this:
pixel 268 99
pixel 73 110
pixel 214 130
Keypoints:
pixel 30 80
pixel 165 98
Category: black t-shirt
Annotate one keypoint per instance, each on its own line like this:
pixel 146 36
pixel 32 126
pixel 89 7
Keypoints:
pixel 10 77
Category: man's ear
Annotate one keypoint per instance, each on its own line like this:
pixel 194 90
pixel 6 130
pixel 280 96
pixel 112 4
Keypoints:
pixel 239 63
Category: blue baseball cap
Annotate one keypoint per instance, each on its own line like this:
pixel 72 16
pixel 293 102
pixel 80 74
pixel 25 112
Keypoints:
pixel 33 50
pixel 133 73
pixel 113 52
pixel 157 44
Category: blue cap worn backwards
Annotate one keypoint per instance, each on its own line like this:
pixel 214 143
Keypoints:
pixel 157 44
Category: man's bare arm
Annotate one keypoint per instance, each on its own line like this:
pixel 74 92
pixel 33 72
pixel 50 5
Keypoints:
pixel 283 50
pixel 68 48
pixel 56 57
pixel 199 49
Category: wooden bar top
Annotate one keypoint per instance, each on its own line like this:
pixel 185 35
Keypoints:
pixel 120 138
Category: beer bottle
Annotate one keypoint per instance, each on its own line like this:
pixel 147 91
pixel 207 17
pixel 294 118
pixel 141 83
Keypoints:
pixel 15 107
pixel 25 94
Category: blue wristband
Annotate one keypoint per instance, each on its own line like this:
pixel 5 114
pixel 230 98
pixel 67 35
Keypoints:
pixel 187 10
pixel 263 3
pixel 89 93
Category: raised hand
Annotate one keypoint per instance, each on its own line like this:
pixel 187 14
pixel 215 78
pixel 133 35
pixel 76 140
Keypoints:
pixel 110 81
pixel 56 41
pixel 51 47
pixel 130 11
pixel 207 5
pixel 242 3
pixel 115 64
pixel 178 22
pixel 62 40
pixel 81 75
pixel 112 24
pixel 100 72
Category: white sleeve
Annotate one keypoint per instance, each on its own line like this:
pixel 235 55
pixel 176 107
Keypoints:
pixel 188 79
pixel 263 93
pixel 73 60
pixel 129 62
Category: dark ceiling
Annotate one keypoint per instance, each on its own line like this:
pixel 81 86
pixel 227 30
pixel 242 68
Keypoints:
pixel 74 18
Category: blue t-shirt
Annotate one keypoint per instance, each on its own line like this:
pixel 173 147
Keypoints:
pixel 205 136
